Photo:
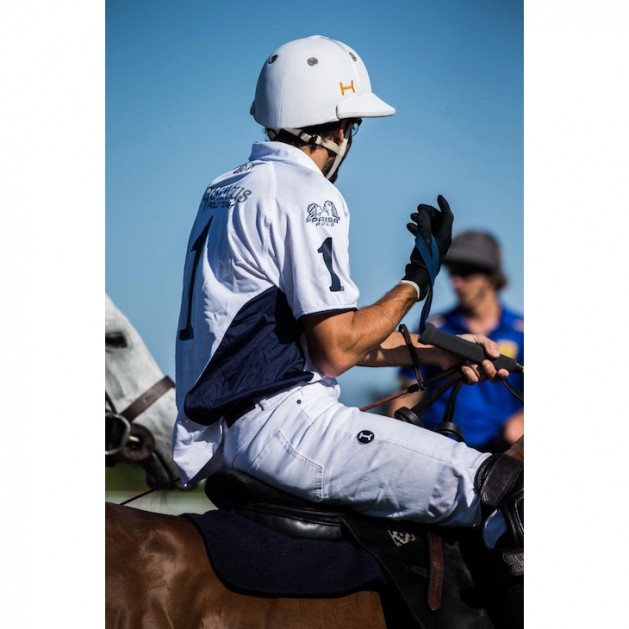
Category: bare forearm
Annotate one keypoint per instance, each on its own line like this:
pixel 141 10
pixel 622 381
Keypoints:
pixel 393 352
pixel 339 341
pixel 364 336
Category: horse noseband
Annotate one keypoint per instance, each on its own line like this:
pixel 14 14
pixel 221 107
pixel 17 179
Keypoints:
pixel 132 443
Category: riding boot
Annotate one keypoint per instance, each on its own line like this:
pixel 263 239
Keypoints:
pixel 500 484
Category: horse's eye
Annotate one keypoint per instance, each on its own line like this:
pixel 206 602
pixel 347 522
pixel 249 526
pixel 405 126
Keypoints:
pixel 115 340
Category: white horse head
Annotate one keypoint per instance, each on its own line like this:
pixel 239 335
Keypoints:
pixel 139 433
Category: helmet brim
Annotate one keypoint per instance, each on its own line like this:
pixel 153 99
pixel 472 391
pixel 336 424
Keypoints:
pixel 363 106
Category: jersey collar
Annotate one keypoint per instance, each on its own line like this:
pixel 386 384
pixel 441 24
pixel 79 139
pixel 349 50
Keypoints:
pixel 281 152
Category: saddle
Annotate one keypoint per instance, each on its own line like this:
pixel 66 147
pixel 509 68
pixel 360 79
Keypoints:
pixel 424 566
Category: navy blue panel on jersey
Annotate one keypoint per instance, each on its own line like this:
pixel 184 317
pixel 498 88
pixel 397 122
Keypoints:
pixel 260 354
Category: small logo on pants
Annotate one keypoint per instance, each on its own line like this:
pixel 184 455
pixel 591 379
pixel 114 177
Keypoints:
pixel 365 436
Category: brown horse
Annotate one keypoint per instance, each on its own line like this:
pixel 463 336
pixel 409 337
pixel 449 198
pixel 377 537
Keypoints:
pixel 158 575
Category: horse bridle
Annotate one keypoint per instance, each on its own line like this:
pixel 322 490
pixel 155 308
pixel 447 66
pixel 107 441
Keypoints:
pixel 135 409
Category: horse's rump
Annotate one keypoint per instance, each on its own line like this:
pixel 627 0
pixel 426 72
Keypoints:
pixel 158 575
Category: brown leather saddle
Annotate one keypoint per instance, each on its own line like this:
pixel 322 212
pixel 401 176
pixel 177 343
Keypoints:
pixel 425 566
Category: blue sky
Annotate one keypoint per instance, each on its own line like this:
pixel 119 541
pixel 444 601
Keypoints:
pixel 179 84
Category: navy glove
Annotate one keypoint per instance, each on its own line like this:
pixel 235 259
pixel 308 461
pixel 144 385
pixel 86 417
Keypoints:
pixel 440 225
pixel 428 223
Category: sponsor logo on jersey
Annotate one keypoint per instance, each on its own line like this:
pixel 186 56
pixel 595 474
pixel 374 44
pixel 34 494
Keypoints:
pixel 326 215
pixel 224 196
pixel 243 168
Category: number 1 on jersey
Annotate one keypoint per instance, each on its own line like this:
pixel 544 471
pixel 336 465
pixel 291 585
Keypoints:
pixel 326 251
pixel 197 247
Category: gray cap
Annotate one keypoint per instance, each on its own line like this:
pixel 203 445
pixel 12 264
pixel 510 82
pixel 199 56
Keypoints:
pixel 474 247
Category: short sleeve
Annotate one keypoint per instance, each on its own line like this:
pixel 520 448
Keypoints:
pixel 312 245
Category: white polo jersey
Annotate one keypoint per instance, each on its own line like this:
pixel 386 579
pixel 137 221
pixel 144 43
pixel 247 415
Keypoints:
pixel 269 245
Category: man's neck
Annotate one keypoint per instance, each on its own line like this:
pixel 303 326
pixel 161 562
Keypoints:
pixel 320 156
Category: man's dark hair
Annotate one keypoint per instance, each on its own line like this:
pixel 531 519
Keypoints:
pixel 498 279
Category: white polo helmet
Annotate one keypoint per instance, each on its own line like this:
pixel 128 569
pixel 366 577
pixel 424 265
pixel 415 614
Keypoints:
pixel 311 81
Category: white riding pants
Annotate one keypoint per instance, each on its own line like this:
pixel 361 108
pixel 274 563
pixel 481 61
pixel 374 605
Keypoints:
pixel 306 443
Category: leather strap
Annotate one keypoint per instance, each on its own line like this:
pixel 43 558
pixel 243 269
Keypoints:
pixel 403 330
pixel 435 578
pixel 147 398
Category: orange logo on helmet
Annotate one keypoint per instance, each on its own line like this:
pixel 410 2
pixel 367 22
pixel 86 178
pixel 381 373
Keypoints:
pixel 344 88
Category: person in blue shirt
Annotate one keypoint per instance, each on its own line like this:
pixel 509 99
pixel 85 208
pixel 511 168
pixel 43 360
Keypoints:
pixel 490 417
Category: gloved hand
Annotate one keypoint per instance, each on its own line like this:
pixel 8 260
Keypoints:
pixel 428 222
pixel 439 225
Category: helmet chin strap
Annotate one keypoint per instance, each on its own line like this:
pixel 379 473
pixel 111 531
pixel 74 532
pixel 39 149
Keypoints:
pixel 338 149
